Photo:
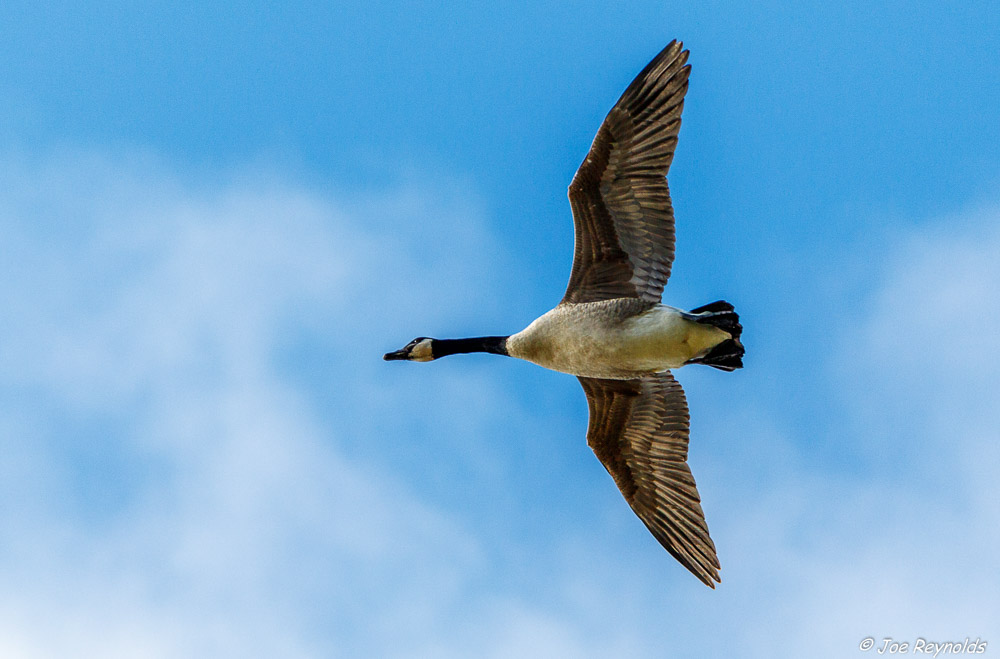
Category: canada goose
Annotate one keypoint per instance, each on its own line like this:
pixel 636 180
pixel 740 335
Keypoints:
pixel 611 330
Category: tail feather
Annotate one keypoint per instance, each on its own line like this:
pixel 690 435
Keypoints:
pixel 718 305
pixel 727 355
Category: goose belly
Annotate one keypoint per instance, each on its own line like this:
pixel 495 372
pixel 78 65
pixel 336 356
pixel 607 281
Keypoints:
pixel 586 340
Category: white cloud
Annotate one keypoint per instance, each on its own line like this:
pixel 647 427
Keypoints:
pixel 172 491
pixel 898 540
pixel 199 454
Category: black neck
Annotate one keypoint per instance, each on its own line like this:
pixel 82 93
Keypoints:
pixel 494 344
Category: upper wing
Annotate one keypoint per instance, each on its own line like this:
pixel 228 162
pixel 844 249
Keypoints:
pixel 639 430
pixel 621 205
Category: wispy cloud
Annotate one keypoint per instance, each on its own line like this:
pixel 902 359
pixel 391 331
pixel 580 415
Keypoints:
pixel 172 490
pixel 204 454
pixel 895 537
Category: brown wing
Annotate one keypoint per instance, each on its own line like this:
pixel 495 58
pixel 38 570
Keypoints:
pixel 621 204
pixel 639 431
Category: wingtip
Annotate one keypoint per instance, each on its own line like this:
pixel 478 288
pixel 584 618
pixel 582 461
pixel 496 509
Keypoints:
pixel 709 578
pixel 675 48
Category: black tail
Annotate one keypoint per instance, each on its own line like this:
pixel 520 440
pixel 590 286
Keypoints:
pixel 728 355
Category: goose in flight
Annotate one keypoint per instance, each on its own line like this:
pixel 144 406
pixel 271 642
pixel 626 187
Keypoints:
pixel 610 329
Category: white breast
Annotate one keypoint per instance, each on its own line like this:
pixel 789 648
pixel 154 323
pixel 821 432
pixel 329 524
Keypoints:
pixel 593 339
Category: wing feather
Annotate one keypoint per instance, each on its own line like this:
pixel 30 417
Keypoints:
pixel 623 218
pixel 639 430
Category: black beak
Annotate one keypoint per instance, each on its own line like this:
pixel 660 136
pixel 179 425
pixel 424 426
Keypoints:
pixel 395 356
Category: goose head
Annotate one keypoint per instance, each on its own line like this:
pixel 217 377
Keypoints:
pixel 417 350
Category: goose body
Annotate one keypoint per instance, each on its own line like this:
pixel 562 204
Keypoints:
pixel 611 330
pixel 618 339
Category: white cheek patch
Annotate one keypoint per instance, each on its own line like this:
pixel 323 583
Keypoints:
pixel 422 352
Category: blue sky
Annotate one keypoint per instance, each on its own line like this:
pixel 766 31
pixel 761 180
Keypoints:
pixel 216 219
